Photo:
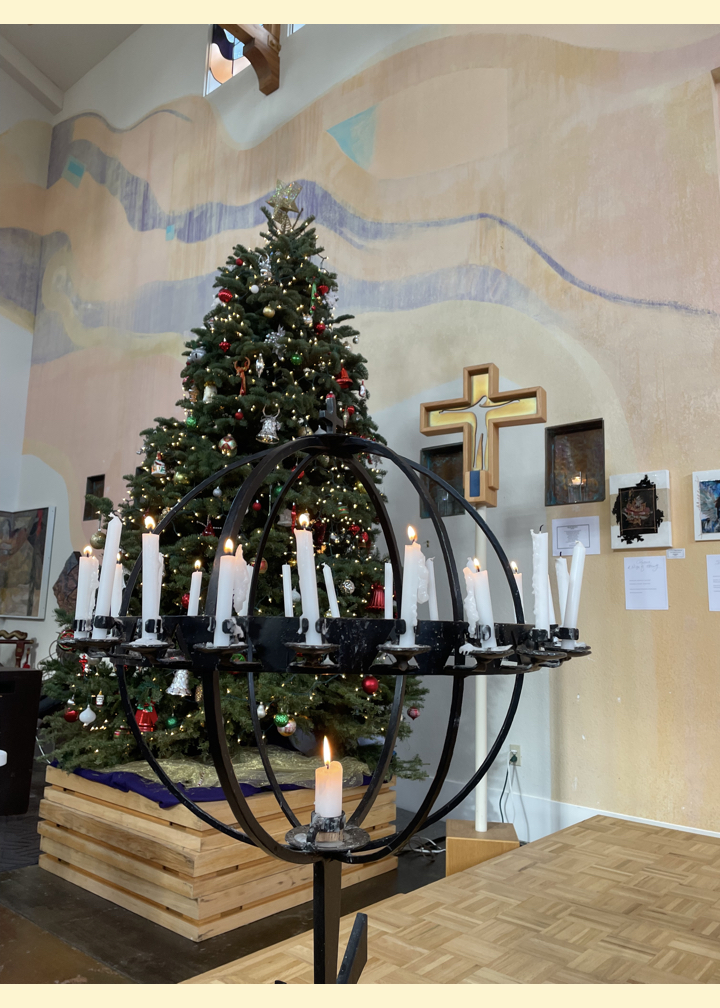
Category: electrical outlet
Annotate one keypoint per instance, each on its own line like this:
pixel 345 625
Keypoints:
pixel 515 751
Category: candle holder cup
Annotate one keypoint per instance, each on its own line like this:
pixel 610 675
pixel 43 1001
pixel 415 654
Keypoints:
pixel 268 644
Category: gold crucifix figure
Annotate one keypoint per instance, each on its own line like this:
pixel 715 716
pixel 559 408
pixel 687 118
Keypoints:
pixel 481 455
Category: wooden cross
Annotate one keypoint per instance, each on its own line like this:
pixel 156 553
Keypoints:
pixel 481 461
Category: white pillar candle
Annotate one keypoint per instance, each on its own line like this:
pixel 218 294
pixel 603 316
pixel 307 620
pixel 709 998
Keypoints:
pixel 195 589
pixel 411 583
pixel 469 604
pixel 107 573
pixel 563 579
pixel 483 602
pixel 518 583
pixel 481 823
pixel 307 576
pixel 225 591
pixel 118 589
pixel 330 589
pixel 328 786
pixel 388 591
pixel 551 607
pixel 540 579
pixel 86 584
pixel 287 589
pixel 573 596
pixel 432 590
pixel 243 576
pixel 150 578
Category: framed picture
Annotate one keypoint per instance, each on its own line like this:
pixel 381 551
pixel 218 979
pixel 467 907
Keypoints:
pixel 640 517
pixel 447 462
pixel 706 504
pixel 25 546
pixel 575 463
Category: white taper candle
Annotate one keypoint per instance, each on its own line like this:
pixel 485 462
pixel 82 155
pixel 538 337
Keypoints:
pixel 107 573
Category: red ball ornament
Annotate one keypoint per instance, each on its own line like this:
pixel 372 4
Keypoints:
pixel 323 288
pixel 225 295
pixel 185 600
pixel 370 684
pixel 413 713
pixel 224 346
pixel 320 327
pixel 263 565
pixel 238 262
pixel 256 506
pixel 71 715
pixel 354 529
pixel 239 415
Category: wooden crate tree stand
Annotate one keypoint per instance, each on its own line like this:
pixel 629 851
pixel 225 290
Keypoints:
pixel 171 868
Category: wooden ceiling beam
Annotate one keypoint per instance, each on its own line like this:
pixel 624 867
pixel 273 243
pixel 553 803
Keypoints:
pixel 261 45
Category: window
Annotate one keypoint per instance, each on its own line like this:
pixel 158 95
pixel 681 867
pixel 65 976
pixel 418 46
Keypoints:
pixel 447 462
pixel 94 485
pixel 225 58
pixel 292 28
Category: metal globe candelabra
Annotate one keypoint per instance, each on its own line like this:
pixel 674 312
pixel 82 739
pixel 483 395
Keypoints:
pixel 351 645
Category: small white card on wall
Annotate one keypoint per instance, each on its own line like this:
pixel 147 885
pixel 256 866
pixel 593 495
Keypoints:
pixel 646 583
pixel 713 576
pixel 567 531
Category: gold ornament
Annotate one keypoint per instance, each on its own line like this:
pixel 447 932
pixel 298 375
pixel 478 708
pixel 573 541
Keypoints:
pixel 180 477
pixel 268 311
pixel 283 201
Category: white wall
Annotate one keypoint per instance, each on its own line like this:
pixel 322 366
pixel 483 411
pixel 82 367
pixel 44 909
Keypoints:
pixel 520 508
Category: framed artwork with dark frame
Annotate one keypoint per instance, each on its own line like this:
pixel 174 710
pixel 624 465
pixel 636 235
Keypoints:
pixel 575 463
pixel 447 462
pixel 25 547
pixel 706 504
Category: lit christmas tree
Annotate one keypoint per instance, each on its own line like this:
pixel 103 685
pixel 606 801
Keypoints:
pixel 257 373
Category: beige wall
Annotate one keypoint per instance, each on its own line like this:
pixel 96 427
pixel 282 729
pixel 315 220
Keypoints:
pixel 546 199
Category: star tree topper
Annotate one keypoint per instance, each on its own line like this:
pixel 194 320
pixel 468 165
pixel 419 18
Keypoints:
pixel 283 201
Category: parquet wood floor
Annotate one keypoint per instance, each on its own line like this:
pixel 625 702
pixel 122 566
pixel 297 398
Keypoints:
pixel 605 901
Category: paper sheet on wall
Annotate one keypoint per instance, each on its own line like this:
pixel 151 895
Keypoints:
pixel 567 531
pixel 646 583
pixel 713 576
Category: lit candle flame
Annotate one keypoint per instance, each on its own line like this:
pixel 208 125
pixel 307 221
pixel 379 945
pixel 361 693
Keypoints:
pixel 514 567
pixel 304 520
pixel 149 523
pixel 576 480
pixel 198 564
pixel 412 534
pixel 229 546
pixel 326 752
pixel 477 564
pixel 118 558
pixel 88 551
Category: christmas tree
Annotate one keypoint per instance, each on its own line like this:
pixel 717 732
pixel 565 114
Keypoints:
pixel 257 373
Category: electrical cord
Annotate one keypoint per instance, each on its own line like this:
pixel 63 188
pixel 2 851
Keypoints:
pixel 426 846
pixel 507 774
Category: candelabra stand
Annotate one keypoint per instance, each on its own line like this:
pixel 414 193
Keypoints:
pixel 350 645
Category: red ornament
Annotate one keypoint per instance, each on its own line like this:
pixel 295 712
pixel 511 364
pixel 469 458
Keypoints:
pixel 377 599
pixel 413 713
pixel 343 379
pixel 320 327
pixel 83 660
pixel 293 517
pixel 185 600
pixel 146 718
pixel 370 684
pixel 256 506
pixel 71 715
pixel 239 415
pixel 225 295
pixel 238 262
pixel 366 539
pixel 350 411
pixel 323 288
pixel 354 529
pixel 224 346
pixel 64 640
pixel 209 529
pixel 263 565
